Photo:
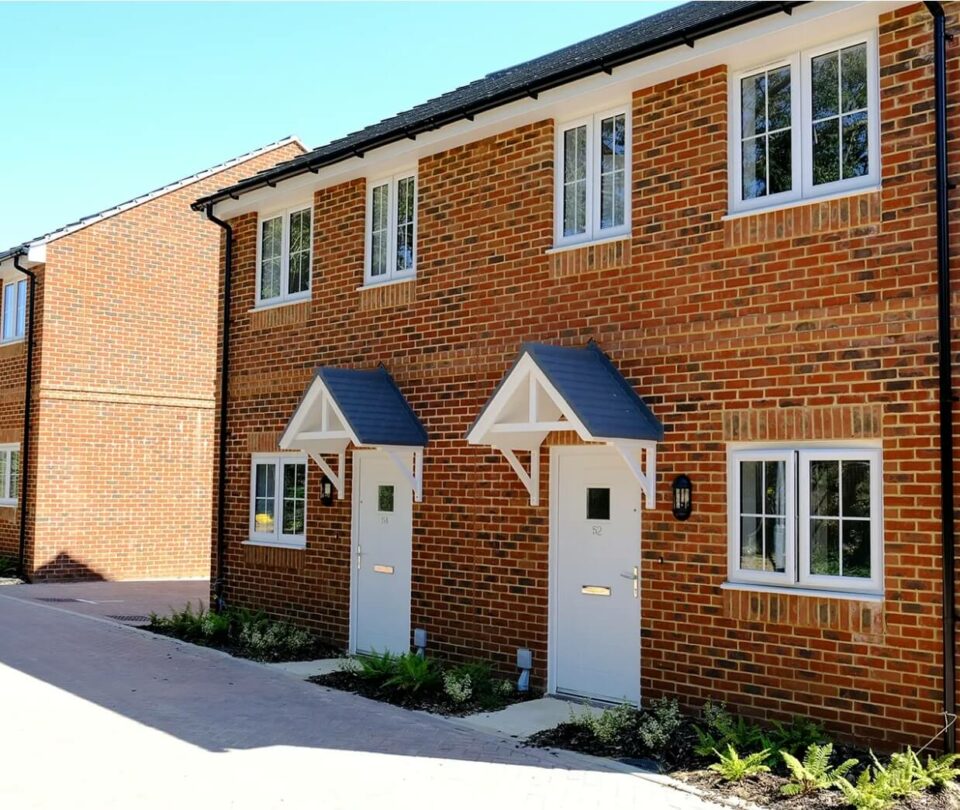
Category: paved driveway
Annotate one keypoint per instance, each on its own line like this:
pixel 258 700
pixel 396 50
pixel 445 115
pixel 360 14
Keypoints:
pixel 94 714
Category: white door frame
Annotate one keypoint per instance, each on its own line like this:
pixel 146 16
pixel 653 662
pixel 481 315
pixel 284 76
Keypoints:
pixel 357 461
pixel 556 453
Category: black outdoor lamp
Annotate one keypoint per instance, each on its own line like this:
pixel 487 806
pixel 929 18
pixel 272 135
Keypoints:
pixel 682 497
pixel 326 491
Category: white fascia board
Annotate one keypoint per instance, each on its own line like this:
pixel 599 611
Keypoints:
pixel 745 46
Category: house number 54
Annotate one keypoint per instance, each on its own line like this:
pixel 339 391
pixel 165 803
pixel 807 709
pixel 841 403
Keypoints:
pixel 384 519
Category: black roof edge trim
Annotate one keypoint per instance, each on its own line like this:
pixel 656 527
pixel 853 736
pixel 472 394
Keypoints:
pixel 603 64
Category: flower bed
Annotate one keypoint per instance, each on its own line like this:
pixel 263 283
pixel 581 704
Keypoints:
pixel 424 683
pixel 790 766
pixel 243 633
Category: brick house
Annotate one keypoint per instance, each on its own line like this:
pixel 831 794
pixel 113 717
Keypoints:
pixel 626 356
pixel 121 386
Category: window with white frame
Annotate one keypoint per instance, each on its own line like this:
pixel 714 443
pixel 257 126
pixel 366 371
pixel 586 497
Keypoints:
pixel 278 500
pixel 391 228
pixel 593 178
pixel 808 517
pixel 806 126
pixel 283 263
pixel 14 310
pixel 9 474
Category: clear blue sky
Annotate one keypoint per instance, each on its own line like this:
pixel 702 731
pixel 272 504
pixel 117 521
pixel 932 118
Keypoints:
pixel 104 101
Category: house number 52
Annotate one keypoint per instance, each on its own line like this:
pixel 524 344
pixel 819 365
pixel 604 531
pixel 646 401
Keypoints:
pixel 597 531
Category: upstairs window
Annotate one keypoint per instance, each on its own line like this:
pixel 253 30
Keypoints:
pixel 278 496
pixel 9 474
pixel 283 265
pixel 391 229
pixel 806 126
pixel 806 517
pixel 593 178
pixel 14 310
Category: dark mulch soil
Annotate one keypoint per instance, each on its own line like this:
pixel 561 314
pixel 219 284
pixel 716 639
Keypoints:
pixel 319 649
pixel 433 701
pixel 764 790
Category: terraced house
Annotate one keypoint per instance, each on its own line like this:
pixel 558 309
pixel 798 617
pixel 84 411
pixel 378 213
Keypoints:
pixel 634 356
pixel 118 370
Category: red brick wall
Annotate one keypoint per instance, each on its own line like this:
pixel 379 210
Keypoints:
pixel 124 400
pixel 814 323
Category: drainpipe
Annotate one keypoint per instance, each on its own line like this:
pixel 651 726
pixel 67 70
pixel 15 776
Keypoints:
pixel 218 582
pixel 940 37
pixel 27 396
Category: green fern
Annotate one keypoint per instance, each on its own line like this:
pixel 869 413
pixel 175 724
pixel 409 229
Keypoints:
pixel 721 730
pixel 733 768
pixel 814 772
pixel 377 667
pixel 871 791
pixel 942 771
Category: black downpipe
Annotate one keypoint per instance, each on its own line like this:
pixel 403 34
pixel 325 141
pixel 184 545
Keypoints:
pixel 27 397
pixel 218 582
pixel 940 37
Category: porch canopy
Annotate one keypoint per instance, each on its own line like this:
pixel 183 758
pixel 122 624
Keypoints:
pixel 568 388
pixel 363 407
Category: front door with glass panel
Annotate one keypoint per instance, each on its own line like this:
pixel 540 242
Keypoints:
pixel 596 577
pixel 382 555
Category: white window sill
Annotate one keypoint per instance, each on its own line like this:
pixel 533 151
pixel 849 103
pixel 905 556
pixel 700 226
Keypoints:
pixel 371 285
pixel 275 543
pixel 8 502
pixel 284 303
pixel 793 591
pixel 589 243
pixel 768 209
pixel 12 341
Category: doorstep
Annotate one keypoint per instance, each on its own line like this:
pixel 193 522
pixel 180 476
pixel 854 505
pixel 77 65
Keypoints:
pixel 307 669
pixel 526 718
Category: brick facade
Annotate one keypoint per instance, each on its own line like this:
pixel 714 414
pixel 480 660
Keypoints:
pixel 123 392
pixel 817 322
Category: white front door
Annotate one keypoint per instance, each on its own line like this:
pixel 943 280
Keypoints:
pixel 381 554
pixel 595 574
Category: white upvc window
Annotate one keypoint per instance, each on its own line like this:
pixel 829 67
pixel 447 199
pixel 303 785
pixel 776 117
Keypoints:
pixel 391 249
pixel 9 474
pixel 806 126
pixel 806 517
pixel 278 500
pixel 284 248
pixel 14 310
pixel 592 195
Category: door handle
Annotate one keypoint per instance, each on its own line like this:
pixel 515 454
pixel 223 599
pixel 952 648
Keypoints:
pixel 635 576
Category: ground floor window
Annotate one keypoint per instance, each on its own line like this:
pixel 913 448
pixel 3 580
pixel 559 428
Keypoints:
pixel 278 498
pixel 807 517
pixel 9 474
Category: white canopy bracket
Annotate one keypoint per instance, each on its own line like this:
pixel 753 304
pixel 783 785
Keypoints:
pixel 336 478
pixel 414 477
pixel 643 469
pixel 530 480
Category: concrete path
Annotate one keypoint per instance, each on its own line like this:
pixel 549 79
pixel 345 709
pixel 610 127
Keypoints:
pixel 99 715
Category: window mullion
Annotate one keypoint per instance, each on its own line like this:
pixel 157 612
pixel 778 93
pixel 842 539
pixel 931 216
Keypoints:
pixel 278 498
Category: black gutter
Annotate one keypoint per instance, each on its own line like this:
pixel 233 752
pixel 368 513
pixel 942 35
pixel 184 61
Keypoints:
pixel 948 537
pixel 604 64
pixel 218 582
pixel 27 396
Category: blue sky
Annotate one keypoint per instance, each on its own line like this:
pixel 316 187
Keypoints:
pixel 104 101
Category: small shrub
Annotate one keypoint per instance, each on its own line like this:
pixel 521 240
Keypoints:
pixel 796 736
pixel 721 731
pixel 942 771
pixel 8 566
pixel 458 686
pixel 414 674
pixel 273 641
pixel 610 724
pixel 215 626
pixel 377 667
pixel 733 768
pixel 503 688
pixel 351 665
pixel 814 772
pixel 871 791
pixel 659 725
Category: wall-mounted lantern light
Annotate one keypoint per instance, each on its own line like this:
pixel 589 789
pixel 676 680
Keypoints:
pixel 326 491
pixel 682 497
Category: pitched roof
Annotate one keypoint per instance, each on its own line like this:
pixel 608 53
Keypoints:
pixel 659 32
pixel 593 389
pixel 375 410
pixel 90 219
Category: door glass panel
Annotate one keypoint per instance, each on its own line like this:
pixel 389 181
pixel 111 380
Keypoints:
pixel 598 503
pixel 385 498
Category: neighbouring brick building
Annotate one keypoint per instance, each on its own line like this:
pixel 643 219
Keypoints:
pixel 725 210
pixel 122 386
